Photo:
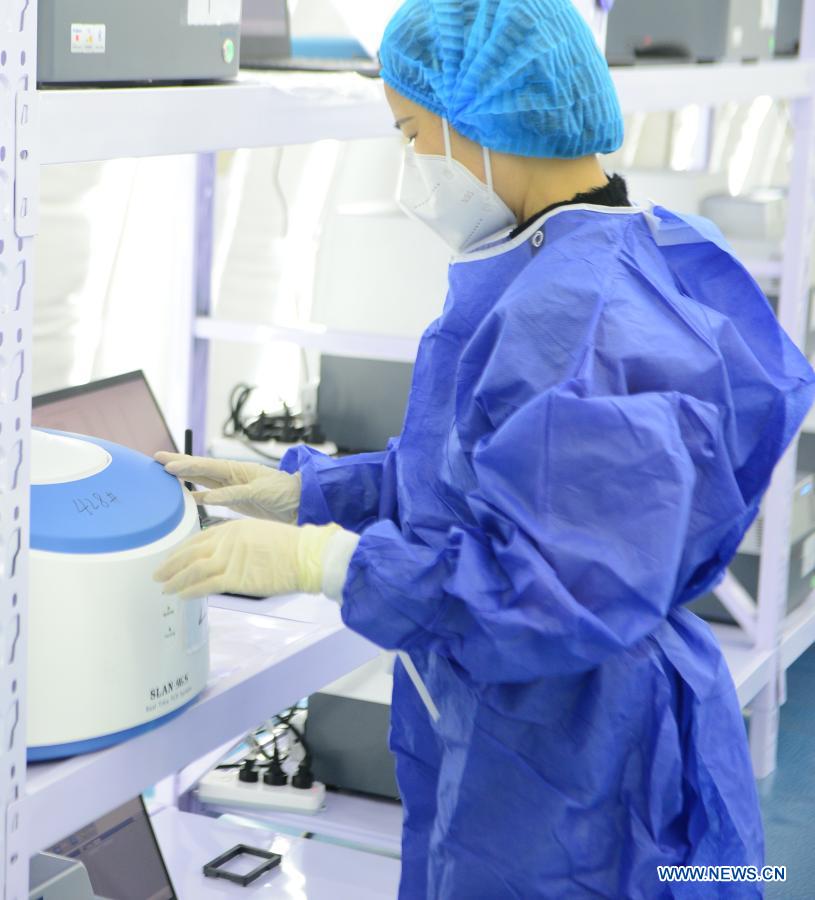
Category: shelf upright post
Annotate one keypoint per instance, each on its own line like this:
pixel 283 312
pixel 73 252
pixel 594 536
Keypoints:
pixel 19 200
pixel 202 297
pixel 775 548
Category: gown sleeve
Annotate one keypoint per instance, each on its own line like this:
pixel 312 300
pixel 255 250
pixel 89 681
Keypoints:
pixel 346 490
pixel 595 515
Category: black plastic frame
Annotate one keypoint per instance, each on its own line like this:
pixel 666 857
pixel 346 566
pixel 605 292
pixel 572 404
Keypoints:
pixel 212 868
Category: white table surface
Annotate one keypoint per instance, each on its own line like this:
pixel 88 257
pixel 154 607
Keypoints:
pixel 310 870
pixel 372 824
pixel 315 609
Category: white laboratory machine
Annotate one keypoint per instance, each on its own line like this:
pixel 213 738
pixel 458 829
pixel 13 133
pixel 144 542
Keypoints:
pixel 109 655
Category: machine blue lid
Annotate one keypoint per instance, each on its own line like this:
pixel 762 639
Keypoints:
pixel 130 503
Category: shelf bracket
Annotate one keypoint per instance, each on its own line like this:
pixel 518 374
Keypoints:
pixel 738 603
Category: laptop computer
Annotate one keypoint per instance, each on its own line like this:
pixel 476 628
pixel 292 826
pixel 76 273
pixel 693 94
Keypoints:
pixel 266 44
pixel 121 855
pixel 122 409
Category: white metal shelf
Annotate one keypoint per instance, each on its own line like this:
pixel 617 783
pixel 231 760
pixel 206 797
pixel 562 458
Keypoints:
pixel 653 88
pixel 310 870
pixel 370 823
pixel 749 666
pixel 763 269
pixel 274 109
pixel 260 664
pixel 311 337
pixel 257 110
pixel 798 632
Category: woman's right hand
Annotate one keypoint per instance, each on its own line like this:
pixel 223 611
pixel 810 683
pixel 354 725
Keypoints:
pixel 248 488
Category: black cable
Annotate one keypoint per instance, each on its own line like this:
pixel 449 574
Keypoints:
pixel 285 427
pixel 303 778
pixel 275 776
pixel 234 423
pixel 285 720
pixel 245 759
pixel 252 755
pixel 302 741
pixel 262 748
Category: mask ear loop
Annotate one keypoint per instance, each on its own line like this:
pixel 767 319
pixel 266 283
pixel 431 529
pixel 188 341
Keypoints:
pixel 487 167
pixel 449 154
pixel 447 149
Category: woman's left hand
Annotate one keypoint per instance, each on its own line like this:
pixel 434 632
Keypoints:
pixel 248 556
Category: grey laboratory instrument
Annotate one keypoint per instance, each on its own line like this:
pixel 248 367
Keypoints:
pixel 347 731
pixel 361 402
pixel 119 41
pixel 788 32
pixel 694 31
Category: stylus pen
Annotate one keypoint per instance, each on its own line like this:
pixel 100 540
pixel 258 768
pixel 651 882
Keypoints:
pixel 188 451
pixel 203 518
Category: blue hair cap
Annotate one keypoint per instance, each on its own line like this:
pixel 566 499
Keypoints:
pixel 517 76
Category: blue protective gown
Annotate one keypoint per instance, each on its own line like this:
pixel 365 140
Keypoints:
pixel 591 426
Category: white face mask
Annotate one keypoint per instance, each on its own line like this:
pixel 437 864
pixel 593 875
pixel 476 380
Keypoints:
pixel 446 196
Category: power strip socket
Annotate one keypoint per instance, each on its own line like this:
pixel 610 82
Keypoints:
pixel 222 787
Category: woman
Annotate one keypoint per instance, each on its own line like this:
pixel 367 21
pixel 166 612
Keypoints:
pixel 593 421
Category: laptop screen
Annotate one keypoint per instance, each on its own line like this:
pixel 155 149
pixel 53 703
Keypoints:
pixel 264 32
pixel 264 18
pixel 121 854
pixel 121 409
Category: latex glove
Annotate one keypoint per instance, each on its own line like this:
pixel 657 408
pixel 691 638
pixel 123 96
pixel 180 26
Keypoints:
pixel 260 559
pixel 248 488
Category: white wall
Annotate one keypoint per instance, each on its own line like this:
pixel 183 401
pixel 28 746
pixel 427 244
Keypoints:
pixel 113 262
pixel 364 19
pixel 145 324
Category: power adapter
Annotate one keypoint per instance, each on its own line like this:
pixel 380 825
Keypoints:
pixel 303 778
pixel 274 776
pixel 248 773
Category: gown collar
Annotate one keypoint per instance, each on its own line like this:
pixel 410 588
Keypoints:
pixel 503 243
